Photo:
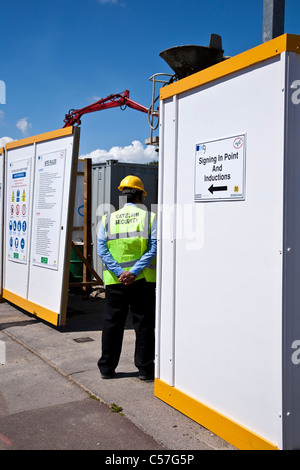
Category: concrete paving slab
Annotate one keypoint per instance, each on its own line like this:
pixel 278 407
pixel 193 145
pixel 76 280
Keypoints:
pixel 77 425
pixel 42 410
pixel 76 362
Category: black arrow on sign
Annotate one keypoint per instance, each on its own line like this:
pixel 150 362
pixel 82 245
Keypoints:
pixel 213 188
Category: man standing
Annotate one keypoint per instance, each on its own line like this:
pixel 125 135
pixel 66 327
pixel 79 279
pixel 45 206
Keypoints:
pixel 127 244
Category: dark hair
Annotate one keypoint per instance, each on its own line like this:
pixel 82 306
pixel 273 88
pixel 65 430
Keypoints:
pixel 132 194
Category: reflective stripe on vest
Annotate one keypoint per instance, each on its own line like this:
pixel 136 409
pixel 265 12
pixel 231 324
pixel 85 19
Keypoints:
pixel 127 233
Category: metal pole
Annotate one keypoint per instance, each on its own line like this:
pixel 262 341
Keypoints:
pixel 273 19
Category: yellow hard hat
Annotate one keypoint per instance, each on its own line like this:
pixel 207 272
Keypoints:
pixel 132 182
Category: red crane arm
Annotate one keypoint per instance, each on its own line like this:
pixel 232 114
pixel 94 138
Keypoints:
pixel 111 101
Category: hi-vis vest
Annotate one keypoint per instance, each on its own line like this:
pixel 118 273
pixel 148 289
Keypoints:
pixel 127 233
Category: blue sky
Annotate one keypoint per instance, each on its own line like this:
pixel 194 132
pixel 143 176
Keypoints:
pixel 63 54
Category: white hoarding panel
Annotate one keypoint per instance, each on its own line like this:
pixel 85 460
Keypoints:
pixel 41 177
pixel 220 302
pixel 2 164
pixel 19 161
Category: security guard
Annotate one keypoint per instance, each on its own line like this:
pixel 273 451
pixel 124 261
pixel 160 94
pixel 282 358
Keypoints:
pixel 127 245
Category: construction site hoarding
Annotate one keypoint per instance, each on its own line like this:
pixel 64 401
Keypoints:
pixel 228 297
pixel 38 219
pixel 1 215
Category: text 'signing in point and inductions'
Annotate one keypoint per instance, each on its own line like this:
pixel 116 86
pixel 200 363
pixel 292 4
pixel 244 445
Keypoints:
pixel 217 167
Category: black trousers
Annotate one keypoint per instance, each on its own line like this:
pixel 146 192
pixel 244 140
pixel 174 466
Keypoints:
pixel 140 297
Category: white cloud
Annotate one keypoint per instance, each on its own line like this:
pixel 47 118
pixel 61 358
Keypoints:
pixel 24 125
pixel 134 153
pixel 5 140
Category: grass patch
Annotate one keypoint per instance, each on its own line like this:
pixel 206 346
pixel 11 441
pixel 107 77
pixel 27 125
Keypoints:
pixel 116 408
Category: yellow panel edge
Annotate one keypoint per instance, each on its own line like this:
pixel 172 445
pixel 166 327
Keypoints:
pixel 30 307
pixel 1 150
pixel 286 42
pixel 224 427
pixel 40 138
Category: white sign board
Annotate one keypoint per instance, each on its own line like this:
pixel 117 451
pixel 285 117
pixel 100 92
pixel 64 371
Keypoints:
pixel 220 169
pixel 48 206
pixel 19 174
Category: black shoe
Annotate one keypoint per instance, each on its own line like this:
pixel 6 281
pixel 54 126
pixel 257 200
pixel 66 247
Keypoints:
pixel 108 376
pixel 146 377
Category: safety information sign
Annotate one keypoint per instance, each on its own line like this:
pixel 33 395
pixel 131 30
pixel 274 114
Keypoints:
pixel 19 175
pixel 220 169
pixel 47 208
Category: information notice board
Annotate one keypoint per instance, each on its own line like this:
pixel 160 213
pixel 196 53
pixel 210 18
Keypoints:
pixel 19 177
pixel 48 206
pixel 38 221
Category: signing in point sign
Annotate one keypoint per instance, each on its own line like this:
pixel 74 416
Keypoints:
pixel 220 169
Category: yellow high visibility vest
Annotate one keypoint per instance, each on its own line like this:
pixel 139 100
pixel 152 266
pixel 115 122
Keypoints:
pixel 127 233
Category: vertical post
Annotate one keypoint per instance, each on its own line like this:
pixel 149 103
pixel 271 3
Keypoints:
pixel 87 236
pixel 173 241
pixel 273 19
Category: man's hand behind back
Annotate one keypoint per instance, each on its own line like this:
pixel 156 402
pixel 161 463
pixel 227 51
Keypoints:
pixel 126 278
